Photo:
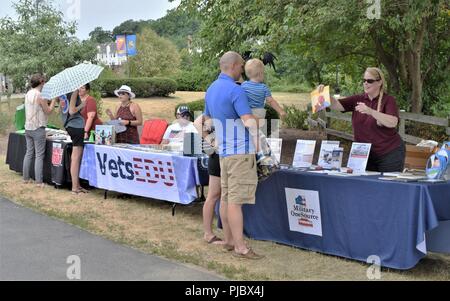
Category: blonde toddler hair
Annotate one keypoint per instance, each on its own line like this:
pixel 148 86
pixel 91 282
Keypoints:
pixel 254 69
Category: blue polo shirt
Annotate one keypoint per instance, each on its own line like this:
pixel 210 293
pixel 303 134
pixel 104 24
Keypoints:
pixel 225 103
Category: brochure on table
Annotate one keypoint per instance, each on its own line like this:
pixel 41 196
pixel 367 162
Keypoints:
pixel 359 155
pixel 336 158
pixel 118 127
pixel 304 153
pixel 275 147
pixel 326 158
pixel 105 134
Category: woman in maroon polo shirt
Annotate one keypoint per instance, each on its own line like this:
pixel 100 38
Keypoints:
pixel 375 119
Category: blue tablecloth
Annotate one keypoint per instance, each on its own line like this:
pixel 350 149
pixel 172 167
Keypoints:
pixel 360 216
pixel 160 176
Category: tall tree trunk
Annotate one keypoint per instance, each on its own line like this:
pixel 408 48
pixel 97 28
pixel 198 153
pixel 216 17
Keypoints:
pixel 389 62
pixel 402 68
pixel 417 83
pixel 415 70
pixel 394 83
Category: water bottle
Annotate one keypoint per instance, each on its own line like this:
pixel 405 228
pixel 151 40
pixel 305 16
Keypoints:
pixel 92 136
pixel 65 104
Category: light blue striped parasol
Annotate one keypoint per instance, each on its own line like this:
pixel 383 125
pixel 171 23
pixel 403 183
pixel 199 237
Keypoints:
pixel 70 79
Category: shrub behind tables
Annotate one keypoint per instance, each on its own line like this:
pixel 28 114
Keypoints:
pixel 142 87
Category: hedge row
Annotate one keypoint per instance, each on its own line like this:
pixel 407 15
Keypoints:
pixel 142 87
pixel 195 80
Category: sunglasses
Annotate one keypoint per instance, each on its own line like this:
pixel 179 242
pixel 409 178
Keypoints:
pixel 122 93
pixel 370 81
pixel 185 114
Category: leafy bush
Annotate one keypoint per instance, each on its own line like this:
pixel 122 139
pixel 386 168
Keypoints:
pixel 441 109
pixel 426 131
pixel 142 87
pixel 196 79
pixel 271 114
pixel 196 72
pixel 108 73
pixel 157 56
pixel 290 88
pixel 295 118
pixel 98 99
pixel 341 125
pixel 194 106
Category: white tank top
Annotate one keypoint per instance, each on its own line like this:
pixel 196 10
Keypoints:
pixel 35 116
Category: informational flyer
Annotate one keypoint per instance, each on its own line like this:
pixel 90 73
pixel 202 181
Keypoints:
pixel 336 158
pixel 275 147
pixel 326 153
pixel 359 155
pixel 304 153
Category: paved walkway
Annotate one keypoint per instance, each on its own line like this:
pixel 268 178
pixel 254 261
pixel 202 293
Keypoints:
pixel 36 247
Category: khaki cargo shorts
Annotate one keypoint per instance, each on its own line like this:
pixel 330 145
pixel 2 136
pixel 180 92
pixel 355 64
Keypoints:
pixel 238 179
pixel 259 113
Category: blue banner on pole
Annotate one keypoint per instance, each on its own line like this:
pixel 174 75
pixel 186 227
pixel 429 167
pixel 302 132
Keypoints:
pixel 131 45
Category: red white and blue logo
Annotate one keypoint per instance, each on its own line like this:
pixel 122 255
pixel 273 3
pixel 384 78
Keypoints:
pixel 140 170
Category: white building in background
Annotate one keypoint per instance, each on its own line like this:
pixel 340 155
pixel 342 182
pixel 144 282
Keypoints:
pixel 107 54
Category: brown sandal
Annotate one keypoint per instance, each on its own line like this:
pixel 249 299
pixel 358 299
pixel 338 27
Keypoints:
pixel 82 190
pixel 249 255
pixel 214 240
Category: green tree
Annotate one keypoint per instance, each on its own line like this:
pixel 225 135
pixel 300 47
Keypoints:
pixel 99 35
pixel 130 27
pixel 156 56
pixel 176 25
pixel 196 72
pixel 39 43
pixel 409 40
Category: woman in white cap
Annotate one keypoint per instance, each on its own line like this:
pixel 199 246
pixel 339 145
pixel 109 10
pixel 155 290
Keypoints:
pixel 129 114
